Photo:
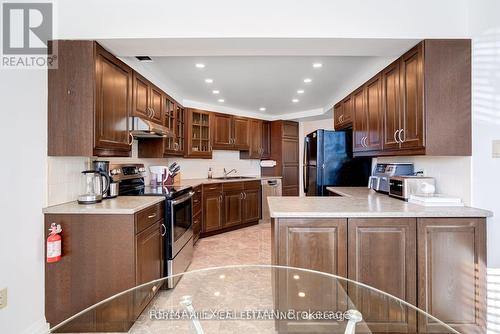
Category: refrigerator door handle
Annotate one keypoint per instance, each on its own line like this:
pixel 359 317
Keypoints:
pixel 305 177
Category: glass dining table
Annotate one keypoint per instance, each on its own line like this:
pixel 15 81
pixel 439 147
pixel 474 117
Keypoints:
pixel 253 299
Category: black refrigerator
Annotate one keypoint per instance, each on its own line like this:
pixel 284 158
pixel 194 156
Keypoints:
pixel 328 161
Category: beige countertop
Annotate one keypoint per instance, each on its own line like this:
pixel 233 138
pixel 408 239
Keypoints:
pixel 197 182
pixel 121 205
pixel 361 202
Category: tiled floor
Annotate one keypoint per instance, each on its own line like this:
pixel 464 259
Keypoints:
pixel 221 289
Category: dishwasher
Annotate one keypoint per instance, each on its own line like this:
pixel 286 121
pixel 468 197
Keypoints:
pixel 270 187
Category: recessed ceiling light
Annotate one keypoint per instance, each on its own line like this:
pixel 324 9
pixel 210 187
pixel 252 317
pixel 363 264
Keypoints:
pixel 262 109
pixel 302 294
pixel 217 293
pixel 222 276
pixel 209 80
pixel 317 65
pixel 200 65
pixel 296 277
pixel 215 91
pixel 221 100
pixel 307 80
pixel 300 91
pixel 295 100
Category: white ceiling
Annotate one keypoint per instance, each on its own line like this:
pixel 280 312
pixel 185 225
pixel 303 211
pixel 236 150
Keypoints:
pixel 255 73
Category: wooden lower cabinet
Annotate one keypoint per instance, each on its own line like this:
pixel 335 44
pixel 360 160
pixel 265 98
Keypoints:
pixel 231 205
pixel 436 264
pixel 382 254
pixel 451 256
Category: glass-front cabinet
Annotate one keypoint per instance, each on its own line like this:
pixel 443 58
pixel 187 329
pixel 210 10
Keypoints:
pixel 198 134
pixel 174 120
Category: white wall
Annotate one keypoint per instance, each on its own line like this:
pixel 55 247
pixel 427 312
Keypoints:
pixel 23 97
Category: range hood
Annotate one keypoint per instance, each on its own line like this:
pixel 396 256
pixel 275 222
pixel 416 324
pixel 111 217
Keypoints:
pixel 143 128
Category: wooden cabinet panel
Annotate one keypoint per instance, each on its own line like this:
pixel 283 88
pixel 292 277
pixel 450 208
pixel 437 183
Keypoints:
pixel 222 133
pixel 233 208
pixel 391 105
pixel 290 151
pixel 198 134
pixel 113 102
pixel 337 116
pixel 149 247
pixel 241 139
pixel 382 254
pixel 451 262
pixel 196 227
pixel 266 140
pixel 141 96
pixel 252 205
pixel 316 244
pixel 290 129
pixel 212 211
pixel 360 120
pixel 255 150
pixel 290 190
pixel 157 105
pixel 374 112
pixel 342 113
pixel 412 97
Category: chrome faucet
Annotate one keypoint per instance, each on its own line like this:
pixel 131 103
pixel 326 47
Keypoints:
pixel 231 171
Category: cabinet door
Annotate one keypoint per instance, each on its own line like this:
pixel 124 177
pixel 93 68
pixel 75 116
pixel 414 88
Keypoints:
pixel 251 205
pixel 149 248
pixel 451 275
pixel 198 136
pixel 156 105
pixel 141 97
pixel 391 105
pixel 337 116
pixel 222 131
pixel 266 140
pixel 233 208
pixel 241 133
pixel 255 151
pixel 112 104
pixel 373 141
pixel 382 254
pixel 212 211
pixel 347 111
pixel 360 120
pixel 290 129
pixel 170 122
pixel 412 96
pixel 316 244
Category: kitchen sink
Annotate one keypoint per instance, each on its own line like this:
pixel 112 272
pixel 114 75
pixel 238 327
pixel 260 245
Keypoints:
pixel 233 177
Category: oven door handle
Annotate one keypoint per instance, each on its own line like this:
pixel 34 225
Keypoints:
pixel 183 198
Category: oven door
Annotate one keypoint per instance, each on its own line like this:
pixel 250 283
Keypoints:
pixel 181 222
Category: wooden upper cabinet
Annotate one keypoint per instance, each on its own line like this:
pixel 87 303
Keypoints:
pixel 222 131
pixel 360 120
pixel 391 105
pixel 373 140
pixel 342 113
pixel 256 149
pixel 147 100
pixel 266 140
pixel 113 96
pixel 230 132
pixel 89 102
pixel 382 254
pixel 198 134
pixel 241 133
pixel 412 122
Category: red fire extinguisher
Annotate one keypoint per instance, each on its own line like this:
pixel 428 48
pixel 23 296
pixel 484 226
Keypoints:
pixel 54 243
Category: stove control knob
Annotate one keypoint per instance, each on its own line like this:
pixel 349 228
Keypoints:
pixel 115 171
pixel 142 169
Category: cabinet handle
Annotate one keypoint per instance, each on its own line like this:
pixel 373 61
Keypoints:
pixel 176 146
pixel 131 138
pixel 164 230
pixel 153 113
pixel 402 140
pixel 152 216
pixel 396 136
pixel 245 195
pixel 241 196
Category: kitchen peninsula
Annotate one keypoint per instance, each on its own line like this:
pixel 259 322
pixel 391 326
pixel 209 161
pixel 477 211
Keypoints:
pixel 431 257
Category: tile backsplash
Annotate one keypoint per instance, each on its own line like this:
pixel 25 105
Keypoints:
pixel 65 181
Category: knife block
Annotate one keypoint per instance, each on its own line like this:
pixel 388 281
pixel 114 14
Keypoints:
pixel 173 181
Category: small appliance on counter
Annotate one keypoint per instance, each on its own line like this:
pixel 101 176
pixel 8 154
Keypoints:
pixel 379 180
pixel 403 187
pixel 103 166
pixel 95 187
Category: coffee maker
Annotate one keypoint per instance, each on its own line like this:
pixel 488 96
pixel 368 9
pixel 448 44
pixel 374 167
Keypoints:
pixel 103 166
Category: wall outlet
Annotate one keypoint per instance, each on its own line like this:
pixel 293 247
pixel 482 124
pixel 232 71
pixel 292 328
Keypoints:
pixel 3 298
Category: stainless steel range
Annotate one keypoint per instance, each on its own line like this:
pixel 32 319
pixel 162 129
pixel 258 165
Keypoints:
pixel 178 232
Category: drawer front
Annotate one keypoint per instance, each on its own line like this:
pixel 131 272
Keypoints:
pixel 196 226
pixel 148 216
pixel 252 185
pixel 197 198
pixel 232 186
pixel 214 187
